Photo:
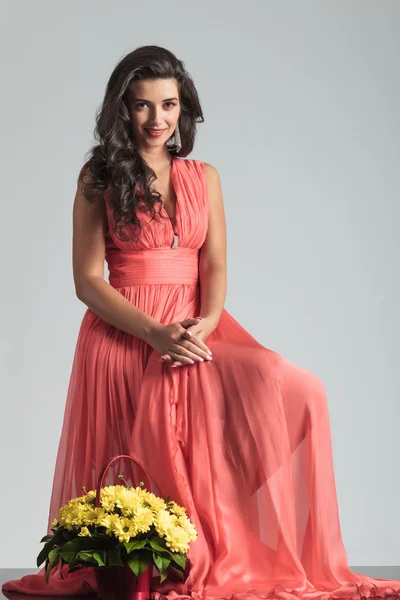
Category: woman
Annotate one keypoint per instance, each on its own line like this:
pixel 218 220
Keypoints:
pixel 233 431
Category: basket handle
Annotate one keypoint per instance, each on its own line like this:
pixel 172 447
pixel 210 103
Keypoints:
pixel 105 469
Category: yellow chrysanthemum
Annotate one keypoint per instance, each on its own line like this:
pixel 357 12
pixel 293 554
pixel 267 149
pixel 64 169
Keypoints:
pixel 93 514
pixel 140 511
pixel 143 519
pixel 186 524
pixel 142 492
pixel 177 539
pixel 124 529
pixel 128 501
pixel 154 501
pixel 84 532
pixel 108 521
pixel 163 522
pixel 71 515
pixel 177 509
pixel 90 496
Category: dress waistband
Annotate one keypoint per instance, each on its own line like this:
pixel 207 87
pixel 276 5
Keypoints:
pixel 153 265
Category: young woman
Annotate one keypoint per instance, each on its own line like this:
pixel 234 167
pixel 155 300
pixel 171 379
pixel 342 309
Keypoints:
pixel 230 429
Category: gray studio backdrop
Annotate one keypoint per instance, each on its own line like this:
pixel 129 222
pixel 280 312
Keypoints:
pixel 301 105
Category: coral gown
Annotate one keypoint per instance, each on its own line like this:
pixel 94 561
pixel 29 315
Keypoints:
pixel 242 441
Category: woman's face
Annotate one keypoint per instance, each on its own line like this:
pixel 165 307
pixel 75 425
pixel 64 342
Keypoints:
pixel 154 105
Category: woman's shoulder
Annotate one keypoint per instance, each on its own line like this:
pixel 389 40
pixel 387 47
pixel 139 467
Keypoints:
pixel 211 172
pixel 210 169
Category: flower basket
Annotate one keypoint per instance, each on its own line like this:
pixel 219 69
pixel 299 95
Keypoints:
pixel 123 532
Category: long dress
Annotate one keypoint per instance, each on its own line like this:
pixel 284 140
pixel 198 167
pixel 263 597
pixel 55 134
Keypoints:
pixel 242 441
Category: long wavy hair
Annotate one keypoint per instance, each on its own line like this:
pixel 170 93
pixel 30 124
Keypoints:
pixel 114 162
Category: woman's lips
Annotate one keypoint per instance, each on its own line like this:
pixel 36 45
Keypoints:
pixel 155 132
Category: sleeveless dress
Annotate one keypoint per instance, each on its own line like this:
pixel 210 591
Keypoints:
pixel 242 441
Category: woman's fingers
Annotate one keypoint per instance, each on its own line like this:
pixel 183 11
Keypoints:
pixel 196 340
pixel 172 363
pixel 183 351
pixel 184 360
pixel 194 348
pixel 189 322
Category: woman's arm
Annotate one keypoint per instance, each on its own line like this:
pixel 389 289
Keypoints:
pixel 88 255
pixel 213 284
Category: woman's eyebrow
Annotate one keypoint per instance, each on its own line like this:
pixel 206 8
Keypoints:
pixel 144 99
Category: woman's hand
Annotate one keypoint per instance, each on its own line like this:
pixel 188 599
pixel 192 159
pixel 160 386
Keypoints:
pixel 196 333
pixel 168 340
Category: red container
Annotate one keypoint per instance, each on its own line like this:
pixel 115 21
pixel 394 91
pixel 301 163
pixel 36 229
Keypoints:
pixel 121 583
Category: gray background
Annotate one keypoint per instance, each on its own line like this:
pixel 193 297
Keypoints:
pixel 301 103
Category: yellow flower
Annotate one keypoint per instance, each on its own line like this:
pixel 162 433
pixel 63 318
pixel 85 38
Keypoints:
pixel 140 511
pixel 177 539
pixel 186 524
pixel 109 496
pixel 154 501
pixel 90 496
pixel 177 509
pixel 84 532
pixel 108 521
pixel 124 529
pixel 128 501
pixel 93 514
pixel 143 519
pixel 71 515
pixel 163 522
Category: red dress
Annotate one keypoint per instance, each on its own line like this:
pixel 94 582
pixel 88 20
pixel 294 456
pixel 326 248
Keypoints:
pixel 243 441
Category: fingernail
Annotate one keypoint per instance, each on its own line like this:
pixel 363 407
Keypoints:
pixel 209 352
pixel 189 333
pixel 201 359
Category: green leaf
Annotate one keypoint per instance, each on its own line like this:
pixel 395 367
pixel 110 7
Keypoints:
pixel 62 564
pixel 100 557
pixel 133 563
pixel 139 560
pixel 135 545
pixel 161 562
pixel 87 556
pixel 160 548
pixel 53 540
pixel 70 549
pixel 113 558
pixel 43 554
pixel 180 559
pixel 52 560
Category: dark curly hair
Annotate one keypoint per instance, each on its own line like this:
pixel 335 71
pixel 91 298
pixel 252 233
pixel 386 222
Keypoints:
pixel 115 163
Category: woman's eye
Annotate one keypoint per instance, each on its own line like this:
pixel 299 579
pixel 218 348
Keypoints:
pixel 140 104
